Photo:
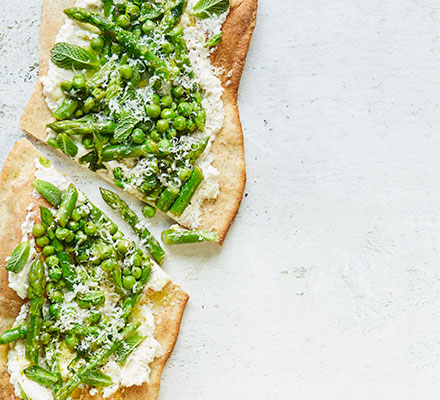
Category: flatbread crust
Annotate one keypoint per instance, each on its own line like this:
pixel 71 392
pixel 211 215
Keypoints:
pixel 15 196
pixel 227 147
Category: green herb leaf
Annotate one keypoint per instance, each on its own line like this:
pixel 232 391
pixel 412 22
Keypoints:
pixel 71 56
pixel 96 378
pixel 67 145
pixel 125 126
pixel 40 375
pixel 215 40
pixel 128 346
pixel 49 191
pixel 206 8
pixel 18 257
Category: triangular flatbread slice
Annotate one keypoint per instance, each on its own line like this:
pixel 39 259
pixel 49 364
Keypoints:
pixel 227 150
pixel 19 211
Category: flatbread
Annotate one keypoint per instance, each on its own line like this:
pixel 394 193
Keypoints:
pixel 227 147
pixel 15 196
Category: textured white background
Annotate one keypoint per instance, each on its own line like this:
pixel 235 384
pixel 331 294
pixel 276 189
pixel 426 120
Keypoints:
pixel 328 285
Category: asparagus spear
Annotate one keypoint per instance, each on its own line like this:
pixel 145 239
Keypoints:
pixel 81 127
pixel 119 151
pixel 115 202
pixel 13 334
pixel 67 205
pixel 183 236
pixel 37 282
pixel 96 361
pixel 187 192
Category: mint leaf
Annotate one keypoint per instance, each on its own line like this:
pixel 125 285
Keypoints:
pixel 71 56
pixel 125 125
pixel 49 191
pixel 215 40
pixel 18 257
pixel 67 145
pixel 207 8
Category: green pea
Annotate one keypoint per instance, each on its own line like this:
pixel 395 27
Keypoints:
pixel 55 274
pixel 167 48
pixel 164 147
pixel 116 48
pixel 151 146
pixel 95 317
pixel 177 91
pixel 148 211
pixel 89 103
pixel 38 230
pixel 179 123
pixel 97 43
pixel 66 86
pixel 70 237
pixel 79 113
pixel 138 136
pixel 171 133
pixel 80 237
pixel 87 142
pixel 123 21
pixel 108 265
pixel 128 282
pixel 73 225
pixel 185 109
pixel 166 101
pixel 167 113
pixel 136 273
pixel 76 214
pixel 155 99
pixel 53 260
pixel 45 338
pixel 153 110
pixel 62 233
pixel 162 125
pixel 174 71
pixel 43 241
pixel 118 235
pixel 71 341
pixel 155 135
pixel 132 10
pixel 123 246
pixel 137 260
pixel 50 287
pixel 184 174
pixel 126 271
pixel 83 257
pixel 148 26
pixel 52 142
pixel 79 81
pixel 126 71
pixel 190 125
pixel 48 250
pixel 61 284
pixel 90 228
pixel 54 310
pixel 56 297
pixel 113 228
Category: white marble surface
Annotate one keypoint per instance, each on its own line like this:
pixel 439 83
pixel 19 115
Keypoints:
pixel 328 285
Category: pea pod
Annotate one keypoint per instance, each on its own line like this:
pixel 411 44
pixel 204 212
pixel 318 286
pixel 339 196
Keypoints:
pixel 67 269
pixel 66 109
pixel 13 334
pixel 48 222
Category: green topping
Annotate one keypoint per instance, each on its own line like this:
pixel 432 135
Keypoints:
pixel 183 236
pixel 13 334
pixel 18 257
pixel 128 346
pixel 67 205
pixel 41 376
pixel 71 56
pixel 67 145
pixel 22 392
pixel 215 40
pixel 49 191
pixel 96 378
pixel 207 8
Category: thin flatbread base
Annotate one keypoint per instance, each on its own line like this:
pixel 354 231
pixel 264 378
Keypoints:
pixel 15 196
pixel 227 148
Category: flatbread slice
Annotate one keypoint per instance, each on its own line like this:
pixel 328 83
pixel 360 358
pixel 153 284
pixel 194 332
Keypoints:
pixel 227 148
pixel 16 195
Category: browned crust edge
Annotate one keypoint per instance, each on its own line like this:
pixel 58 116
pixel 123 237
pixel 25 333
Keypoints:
pixel 15 196
pixel 227 148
